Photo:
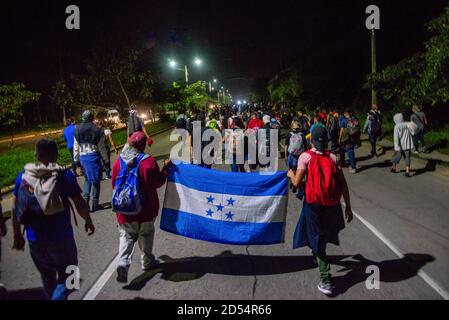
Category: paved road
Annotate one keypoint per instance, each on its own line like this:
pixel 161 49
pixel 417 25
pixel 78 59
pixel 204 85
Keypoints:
pixel 401 227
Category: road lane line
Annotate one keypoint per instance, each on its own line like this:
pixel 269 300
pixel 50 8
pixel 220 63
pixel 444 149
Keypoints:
pixel 422 274
pixel 101 281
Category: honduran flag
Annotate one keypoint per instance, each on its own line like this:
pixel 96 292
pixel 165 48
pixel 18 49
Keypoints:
pixel 225 207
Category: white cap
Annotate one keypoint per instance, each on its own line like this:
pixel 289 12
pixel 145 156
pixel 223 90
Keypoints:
pixel 266 119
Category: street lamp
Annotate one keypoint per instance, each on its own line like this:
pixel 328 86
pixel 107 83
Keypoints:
pixel 197 61
pixel 172 63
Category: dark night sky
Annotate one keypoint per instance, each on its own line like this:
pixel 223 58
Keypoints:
pixel 236 39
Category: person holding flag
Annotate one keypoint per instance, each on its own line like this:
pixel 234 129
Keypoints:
pixel 137 226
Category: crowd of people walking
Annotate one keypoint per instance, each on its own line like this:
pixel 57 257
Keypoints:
pixel 315 147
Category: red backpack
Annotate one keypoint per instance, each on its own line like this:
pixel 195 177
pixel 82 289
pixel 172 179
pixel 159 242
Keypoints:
pixel 322 187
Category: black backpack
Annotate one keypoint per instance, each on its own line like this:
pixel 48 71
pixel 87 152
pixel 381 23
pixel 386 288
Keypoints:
pixel 375 124
pixel 134 124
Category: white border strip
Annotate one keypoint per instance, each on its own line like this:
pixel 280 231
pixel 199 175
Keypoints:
pixel 423 275
pixel 102 280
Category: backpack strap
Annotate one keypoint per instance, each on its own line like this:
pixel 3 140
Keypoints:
pixel 24 191
pixel 72 210
pixel 312 154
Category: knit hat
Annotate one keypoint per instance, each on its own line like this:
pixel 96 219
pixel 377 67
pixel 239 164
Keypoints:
pixel 87 116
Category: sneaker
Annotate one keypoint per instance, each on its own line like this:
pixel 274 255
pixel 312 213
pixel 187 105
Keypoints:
pixel 326 287
pixel 393 170
pixel 96 207
pixel 353 170
pixel 408 175
pixel 122 274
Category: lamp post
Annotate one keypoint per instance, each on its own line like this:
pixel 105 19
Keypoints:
pixel 373 64
pixel 173 65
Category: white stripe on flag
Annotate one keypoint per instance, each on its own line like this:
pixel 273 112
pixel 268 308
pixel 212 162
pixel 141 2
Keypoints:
pixel 253 209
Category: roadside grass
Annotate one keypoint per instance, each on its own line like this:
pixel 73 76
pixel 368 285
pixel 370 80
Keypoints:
pixel 438 140
pixel 120 136
pixel 6 134
pixel 13 161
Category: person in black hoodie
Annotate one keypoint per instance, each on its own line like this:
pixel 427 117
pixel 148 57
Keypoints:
pixel 88 150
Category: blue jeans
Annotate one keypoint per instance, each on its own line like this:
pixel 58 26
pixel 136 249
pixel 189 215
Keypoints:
pixel 237 167
pixel 418 141
pixel 104 167
pixel 73 162
pixel 292 162
pixel 351 156
pixel 95 188
pixel 373 140
pixel 51 260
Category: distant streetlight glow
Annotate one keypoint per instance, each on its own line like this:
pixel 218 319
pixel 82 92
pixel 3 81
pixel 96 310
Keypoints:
pixel 244 101
pixel 215 80
pixel 172 63
pixel 198 61
pixel 239 102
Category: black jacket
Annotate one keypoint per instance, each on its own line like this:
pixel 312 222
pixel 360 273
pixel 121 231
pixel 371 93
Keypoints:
pixel 89 139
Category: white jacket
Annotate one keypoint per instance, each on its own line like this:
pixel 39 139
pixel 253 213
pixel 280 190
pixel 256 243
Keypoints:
pixel 403 133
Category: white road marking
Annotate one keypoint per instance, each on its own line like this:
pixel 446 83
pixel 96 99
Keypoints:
pixel 106 275
pixel 102 280
pixel 422 274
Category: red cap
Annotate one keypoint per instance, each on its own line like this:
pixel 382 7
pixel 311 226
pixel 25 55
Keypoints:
pixel 137 140
pixel 149 141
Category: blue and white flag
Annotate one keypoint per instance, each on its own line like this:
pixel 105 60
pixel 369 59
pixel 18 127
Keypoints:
pixel 225 207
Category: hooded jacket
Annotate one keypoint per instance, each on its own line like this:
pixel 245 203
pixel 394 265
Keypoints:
pixel 403 133
pixel 150 179
pixel 43 180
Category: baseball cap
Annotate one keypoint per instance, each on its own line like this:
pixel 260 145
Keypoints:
pixel 266 119
pixel 138 140
pixel 87 116
pixel 319 138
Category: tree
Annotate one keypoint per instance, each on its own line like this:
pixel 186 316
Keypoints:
pixel 13 98
pixel 400 82
pixel 190 96
pixel 286 87
pixel 120 74
pixel 62 97
pixel 195 95
pixel 259 92
pixel 423 76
